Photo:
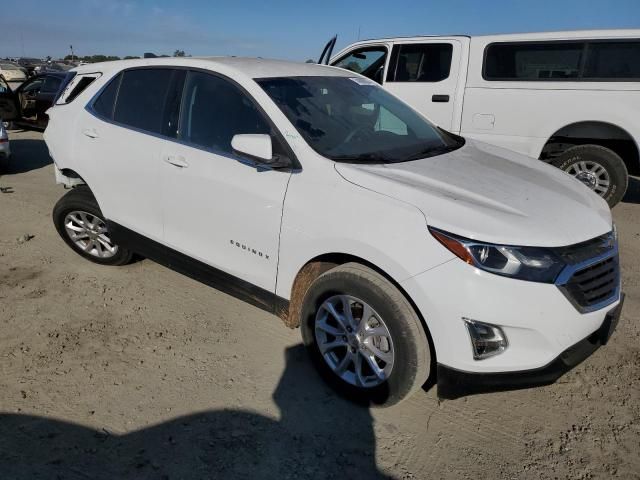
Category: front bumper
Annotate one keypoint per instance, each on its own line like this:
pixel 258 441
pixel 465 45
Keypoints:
pixel 454 383
pixel 540 323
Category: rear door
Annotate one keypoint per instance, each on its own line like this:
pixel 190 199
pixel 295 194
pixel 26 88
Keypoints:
pixel 130 122
pixel 425 73
pixel 8 102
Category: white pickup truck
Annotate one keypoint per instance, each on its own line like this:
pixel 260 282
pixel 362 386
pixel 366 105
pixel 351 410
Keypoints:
pixel 568 98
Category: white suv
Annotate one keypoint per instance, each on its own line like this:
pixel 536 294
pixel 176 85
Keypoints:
pixel 402 251
pixel 568 98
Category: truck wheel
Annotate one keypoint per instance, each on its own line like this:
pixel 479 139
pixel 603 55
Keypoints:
pixel 364 336
pixel 599 168
pixel 82 226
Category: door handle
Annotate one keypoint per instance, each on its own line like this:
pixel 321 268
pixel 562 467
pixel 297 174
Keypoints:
pixel 440 98
pixel 176 160
pixel 90 132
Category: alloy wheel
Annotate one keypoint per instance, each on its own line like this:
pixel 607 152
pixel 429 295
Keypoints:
pixel 89 233
pixel 354 341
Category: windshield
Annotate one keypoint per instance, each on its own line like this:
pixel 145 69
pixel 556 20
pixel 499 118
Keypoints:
pixel 352 119
pixel 8 66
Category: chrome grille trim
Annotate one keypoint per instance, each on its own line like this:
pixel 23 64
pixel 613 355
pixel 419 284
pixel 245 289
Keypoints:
pixel 593 283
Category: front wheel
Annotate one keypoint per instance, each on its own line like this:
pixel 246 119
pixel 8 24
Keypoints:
pixel 364 336
pixel 599 168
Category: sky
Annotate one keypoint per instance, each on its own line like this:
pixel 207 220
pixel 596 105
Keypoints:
pixel 295 30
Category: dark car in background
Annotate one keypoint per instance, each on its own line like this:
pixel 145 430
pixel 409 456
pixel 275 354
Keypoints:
pixel 29 64
pixel 26 106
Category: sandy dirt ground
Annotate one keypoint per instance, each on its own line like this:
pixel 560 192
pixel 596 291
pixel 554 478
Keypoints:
pixel 139 372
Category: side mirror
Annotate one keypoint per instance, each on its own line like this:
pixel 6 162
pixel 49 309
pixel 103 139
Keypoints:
pixel 255 145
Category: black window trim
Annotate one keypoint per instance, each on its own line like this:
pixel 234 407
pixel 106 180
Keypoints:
pixel 295 163
pixel 395 53
pixel 586 43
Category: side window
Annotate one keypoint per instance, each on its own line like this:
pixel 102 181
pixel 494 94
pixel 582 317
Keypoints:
pixel 367 61
pixel 51 84
pixel 420 62
pixel 78 85
pixel 105 103
pixel 613 60
pixel 214 110
pixel 4 86
pixel 533 61
pixel 32 85
pixel 148 99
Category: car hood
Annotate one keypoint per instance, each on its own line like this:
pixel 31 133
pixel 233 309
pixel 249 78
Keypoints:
pixel 491 194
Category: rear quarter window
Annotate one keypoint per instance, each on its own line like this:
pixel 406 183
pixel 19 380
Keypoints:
pixel 78 85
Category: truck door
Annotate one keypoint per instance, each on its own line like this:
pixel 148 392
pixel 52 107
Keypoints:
pixel 425 73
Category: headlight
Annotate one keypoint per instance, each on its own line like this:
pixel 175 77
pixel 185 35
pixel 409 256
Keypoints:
pixel 524 263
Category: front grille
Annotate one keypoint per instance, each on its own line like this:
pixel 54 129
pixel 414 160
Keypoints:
pixel 594 286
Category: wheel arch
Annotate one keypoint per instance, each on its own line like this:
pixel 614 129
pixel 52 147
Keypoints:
pixel 324 262
pixel 595 132
pixel 69 177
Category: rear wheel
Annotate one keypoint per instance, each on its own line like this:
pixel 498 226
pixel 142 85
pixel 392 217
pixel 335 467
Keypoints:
pixel 82 226
pixel 599 168
pixel 364 336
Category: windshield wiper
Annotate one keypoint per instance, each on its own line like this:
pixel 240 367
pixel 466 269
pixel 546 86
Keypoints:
pixel 365 158
pixel 433 151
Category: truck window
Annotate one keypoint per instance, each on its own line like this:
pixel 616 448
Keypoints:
pixel 533 61
pixel 429 62
pixel 613 60
pixel 367 61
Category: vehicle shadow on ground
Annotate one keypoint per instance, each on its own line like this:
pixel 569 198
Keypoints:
pixel 27 154
pixel 318 436
pixel 633 191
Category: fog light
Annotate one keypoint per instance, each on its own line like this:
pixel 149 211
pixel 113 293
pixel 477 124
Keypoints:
pixel 486 340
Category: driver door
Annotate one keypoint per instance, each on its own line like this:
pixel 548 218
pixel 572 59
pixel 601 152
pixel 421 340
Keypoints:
pixel 8 102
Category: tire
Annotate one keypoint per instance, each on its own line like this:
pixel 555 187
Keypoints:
pixel 599 168
pixel 78 209
pixel 408 347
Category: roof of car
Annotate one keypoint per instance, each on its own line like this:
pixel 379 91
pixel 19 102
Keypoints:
pixel 251 67
pixel 558 35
